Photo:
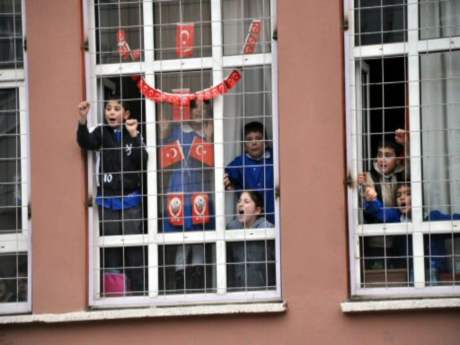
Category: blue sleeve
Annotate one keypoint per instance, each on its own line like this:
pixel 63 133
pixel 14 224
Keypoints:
pixel 384 215
pixel 437 215
pixel 235 172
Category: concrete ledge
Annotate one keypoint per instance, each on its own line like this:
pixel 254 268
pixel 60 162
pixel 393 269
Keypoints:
pixel 203 310
pixel 402 304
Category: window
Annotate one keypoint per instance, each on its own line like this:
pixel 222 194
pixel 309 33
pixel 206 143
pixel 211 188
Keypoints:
pixel 14 161
pixel 403 68
pixel 197 218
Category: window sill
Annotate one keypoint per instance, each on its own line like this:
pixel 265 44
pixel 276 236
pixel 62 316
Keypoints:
pixel 401 304
pixel 204 310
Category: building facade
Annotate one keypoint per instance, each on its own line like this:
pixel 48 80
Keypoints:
pixel 328 81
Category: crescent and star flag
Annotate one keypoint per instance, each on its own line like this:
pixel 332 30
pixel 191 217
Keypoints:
pixel 185 39
pixel 171 154
pixel 176 209
pixel 249 46
pixel 202 151
pixel 181 112
pixel 200 208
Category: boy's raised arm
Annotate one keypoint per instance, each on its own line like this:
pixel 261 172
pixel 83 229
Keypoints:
pixel 86 140
pixel 139 153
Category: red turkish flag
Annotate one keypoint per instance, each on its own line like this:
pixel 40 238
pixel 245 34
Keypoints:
pixel 185 39
pixel 171 154
pixel 176 208
pixel 249 46
pixel 181 111
pixel 200 208
pixel 202 151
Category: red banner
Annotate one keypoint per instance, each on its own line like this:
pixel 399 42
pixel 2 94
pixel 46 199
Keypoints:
pixel 159 96
pixel 185 39
pixel 249 46
pixel 200 208
pixel 176 209
pixel 181 111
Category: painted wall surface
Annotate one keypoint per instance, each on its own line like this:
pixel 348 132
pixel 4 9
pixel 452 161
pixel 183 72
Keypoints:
pixel 314 238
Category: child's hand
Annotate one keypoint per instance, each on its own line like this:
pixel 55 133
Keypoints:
pixel 208 130
pixel 370 194
pixel 401 136
pixel 362 179
pixel 227 183
pixel 83 109
pixel 131 126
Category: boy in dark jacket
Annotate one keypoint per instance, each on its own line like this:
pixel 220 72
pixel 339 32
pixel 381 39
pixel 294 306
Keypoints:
pixel 123 158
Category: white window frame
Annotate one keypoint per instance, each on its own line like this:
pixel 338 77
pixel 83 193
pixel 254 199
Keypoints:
pixel 215 63
pixel 15 243
pixel 417 228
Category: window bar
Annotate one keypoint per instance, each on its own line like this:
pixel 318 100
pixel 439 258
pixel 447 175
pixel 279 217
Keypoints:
pixel 415 142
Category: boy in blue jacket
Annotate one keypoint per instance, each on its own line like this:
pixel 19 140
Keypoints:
pixel 253 170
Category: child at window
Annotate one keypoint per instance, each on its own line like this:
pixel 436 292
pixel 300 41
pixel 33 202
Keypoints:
pixel 188 175
pixel 123 158
pixel 249 210
pixel 253 170
pixel 187 160
pixel 249 216
pixel 402 213
pixel 119 198
pixel 389 168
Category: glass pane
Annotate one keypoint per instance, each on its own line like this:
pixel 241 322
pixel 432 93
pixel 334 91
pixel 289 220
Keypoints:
pixel 182 29
pixel 439 18
pixel 378 21
pixel 13 277
pixel 248 155
pixel 251 266
pixel 186 164
pixel 386 261
pixel 121 169
pixel 11 50
pixel 442 259
pixel 124 271
pixel 112 16
pixel 440 106
pixel 383 140
pixel 237 16
pixel 10 162
pixel 188 268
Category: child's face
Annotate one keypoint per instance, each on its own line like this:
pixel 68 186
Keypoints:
pixel 403 200
pixel 115 114
pixel 198 113
pixel 254 144
pixel 387 160
pixel 247 211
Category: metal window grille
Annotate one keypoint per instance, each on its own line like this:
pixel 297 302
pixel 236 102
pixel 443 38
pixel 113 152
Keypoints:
pixel 401 66
pixel 186 240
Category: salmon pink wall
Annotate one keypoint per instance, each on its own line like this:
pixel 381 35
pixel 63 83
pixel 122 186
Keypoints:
pixel 314 238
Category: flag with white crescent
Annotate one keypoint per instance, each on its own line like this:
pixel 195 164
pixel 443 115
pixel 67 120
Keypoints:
pixel 185 39
pixel 202 151
pixel 171 154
